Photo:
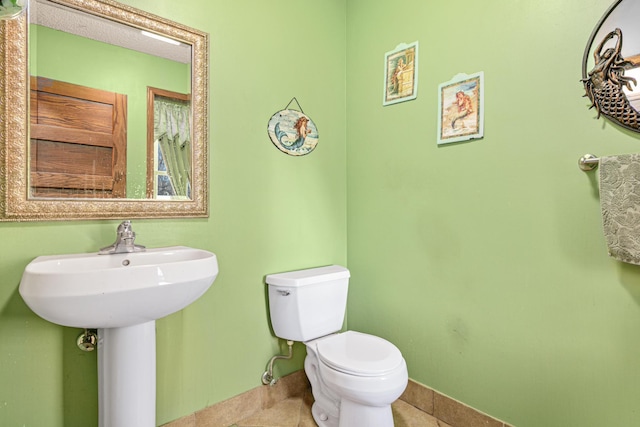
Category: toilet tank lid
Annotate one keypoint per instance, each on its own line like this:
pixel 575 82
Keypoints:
pixel 309 276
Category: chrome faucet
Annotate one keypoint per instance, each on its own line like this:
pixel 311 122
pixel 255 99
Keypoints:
pixel 125 241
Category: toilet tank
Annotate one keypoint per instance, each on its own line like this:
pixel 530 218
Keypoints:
pixel 308 304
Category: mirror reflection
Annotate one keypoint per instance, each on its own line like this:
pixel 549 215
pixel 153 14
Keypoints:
pixel 169 145
pixel 89 108
pixel 10 9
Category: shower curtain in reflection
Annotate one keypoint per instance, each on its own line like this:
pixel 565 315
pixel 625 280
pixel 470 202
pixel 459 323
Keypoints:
pixel 172 129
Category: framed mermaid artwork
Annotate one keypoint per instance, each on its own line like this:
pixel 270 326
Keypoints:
pixel 292 131
pixel 461 108
pixel 401 74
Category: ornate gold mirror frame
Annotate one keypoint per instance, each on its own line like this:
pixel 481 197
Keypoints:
pixel 15 201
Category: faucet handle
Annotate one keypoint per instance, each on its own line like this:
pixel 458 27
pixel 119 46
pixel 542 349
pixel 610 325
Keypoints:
pixel 125 226
pixel 125 231
pixel 125 241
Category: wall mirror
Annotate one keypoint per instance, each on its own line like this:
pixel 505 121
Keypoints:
pixel 611 65
pixel 76 131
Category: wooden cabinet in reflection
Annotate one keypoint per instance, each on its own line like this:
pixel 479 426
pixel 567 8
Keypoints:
pixel 78 141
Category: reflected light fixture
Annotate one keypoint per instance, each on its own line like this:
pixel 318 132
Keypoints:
pixel 162 38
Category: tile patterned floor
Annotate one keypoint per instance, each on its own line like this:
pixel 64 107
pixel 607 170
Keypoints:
pixel 288 404
pixel 296 412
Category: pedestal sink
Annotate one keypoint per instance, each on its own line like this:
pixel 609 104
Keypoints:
pixel 121 295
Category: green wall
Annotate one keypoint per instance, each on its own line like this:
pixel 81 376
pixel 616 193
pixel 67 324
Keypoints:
pixel 269 213
pixel 68 58
pixel 485 261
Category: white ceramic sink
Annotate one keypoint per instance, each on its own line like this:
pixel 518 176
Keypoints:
pixel 121 295
pixel 112 291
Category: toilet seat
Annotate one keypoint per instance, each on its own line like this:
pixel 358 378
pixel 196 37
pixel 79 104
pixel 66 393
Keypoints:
pixel 359 354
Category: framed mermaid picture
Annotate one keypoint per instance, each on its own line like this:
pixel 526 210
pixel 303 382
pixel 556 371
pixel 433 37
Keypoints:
pixel 293 132
pixel 461 108
pixel 401 74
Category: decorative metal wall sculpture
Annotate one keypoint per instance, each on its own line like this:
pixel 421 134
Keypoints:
pixel 605 83
pixel 611 69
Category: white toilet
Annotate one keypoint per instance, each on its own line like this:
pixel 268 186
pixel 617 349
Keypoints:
pixel 354 376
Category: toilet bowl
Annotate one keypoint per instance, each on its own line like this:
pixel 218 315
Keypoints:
pixel 354 379
pixel 354 376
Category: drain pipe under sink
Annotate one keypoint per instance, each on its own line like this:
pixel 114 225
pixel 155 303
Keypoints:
pixel 267 377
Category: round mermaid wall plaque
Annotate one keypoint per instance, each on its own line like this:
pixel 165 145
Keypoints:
pixel 293 132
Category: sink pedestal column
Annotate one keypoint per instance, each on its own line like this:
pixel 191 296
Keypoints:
pixel 127 376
